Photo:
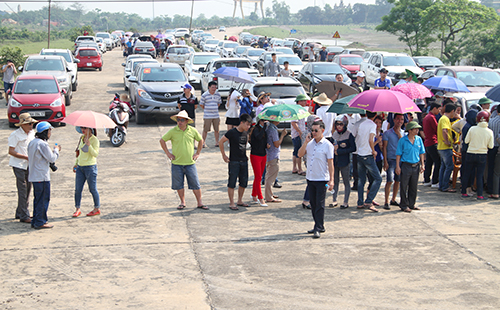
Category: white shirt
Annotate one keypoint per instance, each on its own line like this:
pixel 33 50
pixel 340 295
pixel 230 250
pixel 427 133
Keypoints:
pixel 362 136
pixel 19 140
pixel 327 118
pixel 232 106
pixel 352 120
pixel 317 160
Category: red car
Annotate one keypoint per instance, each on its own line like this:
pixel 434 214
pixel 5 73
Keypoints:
pixel 89 58
pixel 38 95
pixel 350 62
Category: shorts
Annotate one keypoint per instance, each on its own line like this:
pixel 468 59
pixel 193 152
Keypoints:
pixel 235 121
pixel 297 144
pixel 238 170
pixel 207 122
pixel 8 86
pixel 391 172
pixel 178 173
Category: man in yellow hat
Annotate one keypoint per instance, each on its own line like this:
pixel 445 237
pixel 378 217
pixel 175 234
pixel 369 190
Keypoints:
pixel 183 157
pixel 18 151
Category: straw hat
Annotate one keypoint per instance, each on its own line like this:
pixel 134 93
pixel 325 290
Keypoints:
pixel 262 94
pixel 182 114
pixel 25 118
pixel 322 99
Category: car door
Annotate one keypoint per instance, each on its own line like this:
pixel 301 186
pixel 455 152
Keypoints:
pixel 132 88
pixel 205 77
pixel 304 78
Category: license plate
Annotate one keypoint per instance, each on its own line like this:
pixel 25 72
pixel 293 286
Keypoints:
pixel 168 109
pixel 89 64
pixel 42 114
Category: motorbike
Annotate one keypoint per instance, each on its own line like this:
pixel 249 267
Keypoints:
pixel 119 112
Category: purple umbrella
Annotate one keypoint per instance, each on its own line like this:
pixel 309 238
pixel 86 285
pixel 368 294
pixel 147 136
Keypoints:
pixel 161 36
pixel 382 100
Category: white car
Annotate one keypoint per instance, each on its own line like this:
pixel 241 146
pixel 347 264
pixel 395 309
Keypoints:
pixel 128 67
pixel 101 44
pixel 253 54
pixel 107 38
pixel 224 85
pixel 210 45
pixel 238 52
pixel 133 64
pixel 71 61
pixel 227 48
pixel 181 32
pixel 195 62
pixel 294 62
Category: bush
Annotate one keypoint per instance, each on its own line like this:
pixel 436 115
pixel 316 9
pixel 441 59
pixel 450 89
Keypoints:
pixel 12 53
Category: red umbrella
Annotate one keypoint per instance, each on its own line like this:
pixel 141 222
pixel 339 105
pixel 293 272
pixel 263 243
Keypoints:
pixel 233 38
pixel 413 90
pixel 89 119
pixel 382 100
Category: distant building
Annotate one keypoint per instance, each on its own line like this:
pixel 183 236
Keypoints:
pixel 45 22
pixel 8 21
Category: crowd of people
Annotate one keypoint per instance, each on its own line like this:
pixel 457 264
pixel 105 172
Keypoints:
pixel 160 44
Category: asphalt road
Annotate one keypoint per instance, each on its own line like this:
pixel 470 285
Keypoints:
pixel 143 253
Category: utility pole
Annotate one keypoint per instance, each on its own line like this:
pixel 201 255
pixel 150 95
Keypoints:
pixel 48 24
pixel 191 20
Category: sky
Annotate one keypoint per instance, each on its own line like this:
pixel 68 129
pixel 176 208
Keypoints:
pixel 208 7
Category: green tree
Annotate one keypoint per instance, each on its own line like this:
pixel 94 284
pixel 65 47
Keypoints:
pixel 482 46
pixel 405 21
pixel 13 53
pixel 281 12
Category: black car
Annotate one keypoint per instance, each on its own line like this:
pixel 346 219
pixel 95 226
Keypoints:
pixel 427 62
pixel 316 72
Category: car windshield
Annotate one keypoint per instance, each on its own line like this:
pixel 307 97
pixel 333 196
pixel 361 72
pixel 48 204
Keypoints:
pixel 285 51
pixel 479 78
pixel 162 75
pixel 279 91
pixel 255 52
pixel 231 45
pixel 237 64
pixel 429 61
pixel 327 69
pixel 178 50
pixel 44 65
pixel 212 42
pixel 398 61
pixel 291 60
pixel 351 61
pixel 88 53
pixel 142 62
pixel 36 86
pixel 241 49
pixel 63 54
pixel 103 35
pixel 203 59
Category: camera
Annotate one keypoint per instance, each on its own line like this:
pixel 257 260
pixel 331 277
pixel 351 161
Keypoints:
pixel 53 167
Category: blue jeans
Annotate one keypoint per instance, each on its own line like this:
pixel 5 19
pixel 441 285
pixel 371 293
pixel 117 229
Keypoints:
pixel 475 162
pixel 366 164
pixel 446 168
pixel 41 192
pixel 297 143
pixel 391 172
pixel 89 174
pixel 178 173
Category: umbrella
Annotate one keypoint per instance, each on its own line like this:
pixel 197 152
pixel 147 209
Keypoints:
pixel 136 35
pixel 382 100
pixel 283 112
pixel 494 93
pixel 331 87
pixel 233 74
pixel 233 38
pixel 89 119
pixel 413 75
pixel 446 84
pixel 413 90
pixel 340 106
pixel 129 33
pixel 161 36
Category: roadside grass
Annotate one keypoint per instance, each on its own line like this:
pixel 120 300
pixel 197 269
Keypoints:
pixel 308 30
pixel 35 47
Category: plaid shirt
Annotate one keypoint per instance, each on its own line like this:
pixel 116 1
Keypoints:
pixel 494 125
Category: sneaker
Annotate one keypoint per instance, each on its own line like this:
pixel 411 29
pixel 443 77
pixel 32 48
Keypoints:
pixel 344 206
pixel 277 185
pixel 386 206
pixel 435 185
pixel 481 198
pixel 428 184
pixel 92 213
pixel 394 203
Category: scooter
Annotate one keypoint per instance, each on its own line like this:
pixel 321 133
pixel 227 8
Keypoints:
pixel 119 113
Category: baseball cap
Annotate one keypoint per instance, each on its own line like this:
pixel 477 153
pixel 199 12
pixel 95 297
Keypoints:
pixel 383 70
pixel 360 74
pixel 187 85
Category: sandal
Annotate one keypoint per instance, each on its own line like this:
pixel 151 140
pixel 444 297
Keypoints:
pixel 233 208
pixel 360 207
pixel 294 172
pixel 77 213
pixel 450 190
pixel 373 209
pixel 181 207
pixel 92 213
pixel 302 173
pixel 242 205
pixel 493 197
pixel 203 207
pixel 274 201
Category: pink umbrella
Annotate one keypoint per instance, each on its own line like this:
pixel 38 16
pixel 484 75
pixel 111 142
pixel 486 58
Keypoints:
pixel 89 119
pixel 413 90
pixel 233 38
pixel 382 100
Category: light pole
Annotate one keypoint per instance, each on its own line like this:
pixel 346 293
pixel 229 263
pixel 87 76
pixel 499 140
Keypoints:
pixel 48 24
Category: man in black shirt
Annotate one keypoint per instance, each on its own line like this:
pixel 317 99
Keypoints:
pixel 188 102
pixel 358 84
pixel 238 160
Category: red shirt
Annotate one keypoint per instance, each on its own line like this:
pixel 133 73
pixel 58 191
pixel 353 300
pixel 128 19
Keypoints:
pixel 430 125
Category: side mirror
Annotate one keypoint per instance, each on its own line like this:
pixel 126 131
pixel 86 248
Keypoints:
pixel 201 69
pixel 124 64
pixel 132 79
pixel 20 68
pixel 77 61
pixel 68 69
pixel 255 66
pixel 63 91
pixel 307 72
pixel 192 79
pixel 377 65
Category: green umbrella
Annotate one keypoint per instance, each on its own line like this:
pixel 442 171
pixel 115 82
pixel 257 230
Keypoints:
pixel 283 112
pixel 413 75
pixel 340 106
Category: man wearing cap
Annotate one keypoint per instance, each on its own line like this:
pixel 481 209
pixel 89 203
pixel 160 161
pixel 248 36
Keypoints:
pixel 210 102
pixel 485 103
pixel 383 82
pixel 188 102
pixel 9 72
pixel 183 157
pixel 404 78
pixel 323 54
pixel 327 117
pixel 18 151
pixel 409 164
pixel 297 133
pixel 272 68
pixel 358 84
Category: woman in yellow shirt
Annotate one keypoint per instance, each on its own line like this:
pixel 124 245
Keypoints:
pixel 86 169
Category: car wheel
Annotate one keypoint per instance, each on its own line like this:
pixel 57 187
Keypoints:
pixel 100 68
pixel 67 99
pixel 140 118
pixel 74 86
pixel 12 125
pixel 126 88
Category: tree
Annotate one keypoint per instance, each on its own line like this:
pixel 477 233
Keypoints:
pixel 405 21
pixel 482 46
pixel 281 12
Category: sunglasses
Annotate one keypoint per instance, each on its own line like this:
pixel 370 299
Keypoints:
pixel 181 120
pixel 314 130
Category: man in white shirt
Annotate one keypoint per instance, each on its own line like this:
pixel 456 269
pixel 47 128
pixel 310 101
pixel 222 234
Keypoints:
pixel 18 151
pixel 365 144
pixel 319 173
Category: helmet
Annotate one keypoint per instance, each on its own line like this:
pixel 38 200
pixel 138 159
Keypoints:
pixel 476 107
pixel 483 116
pixel 42 126
pixel 341 119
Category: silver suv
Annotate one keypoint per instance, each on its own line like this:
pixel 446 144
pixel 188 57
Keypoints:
pixel 70 59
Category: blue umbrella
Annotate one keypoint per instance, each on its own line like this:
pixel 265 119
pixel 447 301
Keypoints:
pixel 233 74
pixel 494 93
pixel 446 83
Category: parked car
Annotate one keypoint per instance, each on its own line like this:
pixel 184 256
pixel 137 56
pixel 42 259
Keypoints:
pixel 196 33
pixel 202 38
pixel 177 54
pixel 477 79
pixel 332 51
pixel 253 54
pixel 315 72
pixel 350 62
pixel 356 51
pixel 195 62
pixel 428 63
pixel 106 37
pixel 245 38
pixel 133 64
pixel 81 39
pixel 394 63
pixel 89 58
pixel 222 29
pixel 128 66
pixel 466 99
pixel 238 52
pixel 155 88
pixel 307 46
pixel 88 44
pixel 101 44
pixel 263 59
pixel 294 62
pixel 144 48
pixel 70 60
pixel 210 45
pixel 227 48
pixel 38 95
pixel 223 84
pixel 181 32
pixel 50 65
pixel 284 50
pixel 427 74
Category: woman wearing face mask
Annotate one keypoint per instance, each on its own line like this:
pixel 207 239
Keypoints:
pixel 86 169
pixel 258 141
